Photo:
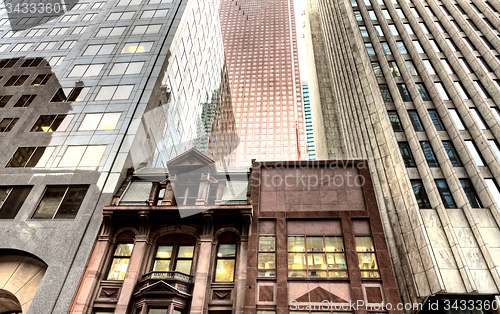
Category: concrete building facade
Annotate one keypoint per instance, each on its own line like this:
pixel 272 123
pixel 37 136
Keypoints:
pixel 413 87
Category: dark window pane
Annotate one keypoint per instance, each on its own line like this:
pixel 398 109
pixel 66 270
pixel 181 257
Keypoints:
pixel 445 193
pixel 41 79
pixel 5 124
pixel 71 203
pixel 35 158
pixel 415 120
pixel 423 92
pixel 452 154
pixel 420 194
pixel 404 148
pixel 12 80
pixel 59 96
pixel 394 118
pixel 436 120
pixel 25 101
pixel 11 200
pixel 429 154
pixel 377 70
pixel 470 192
pixel 50 202
pixel 4 100
pixel 43 124
pixel 74 93
pixel 21 157
pixel 11 125
pixel 404 92
pixel 386 95
pixel 7 63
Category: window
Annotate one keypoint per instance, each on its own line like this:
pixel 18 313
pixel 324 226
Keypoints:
pixel 403 91
pixel 27 21
pixel 89 17
pixel 41 79
pixel 457 26
pixel 30 157
pixel 68 44
pixel 357 15
pixel 226 260
pixel 405 150
pixel 267 256
pixel 35 32
pixel 16 80
pixel 465 65
pixel 48 45
pixel 372 15
pixel 79 6
pixel 411 67
pixel 485 65
pixel 369 49
pixel 126 68
pixel 408 29
pixel 447 66
pixel 415 120
pixel 154 14
pixel 471 194
pixel 492 185
pixel 47 19
pixel 377 69
pixel 316 256
pixel 146 29
pixel 170 1
pixel 79 30
pixel 442 92
pixel 436 120
pixel 394 68
pixel 25 100
pixel 86 70
pixel 445 193
pixel 137 47
pixel 414 12
pixel 74 94
pixel 99 121
pixel 93 50
pixel 424 28
pixel 58 31
pixel 456 118
pixel 418 47
pixel 479 119
pixel 115 16
pixel 121 259
pixel 52 123
pixel 110 31
pixel 69 18
pixel 440 27
pixel 366 256
pixel 174 253
pixel 395 122
pixel 434 45
pixel 8 63
pixel 496 148
pixel 128 2
pixel 379 30
pixel 461 90
pixel 363 31
pixel 423 91
pixel 97 5
pixel 12 34
pixel 478 159
pixel 11 200
pixel 386 95
pixel 386 48
pixel 394 30
pixel 114 92
pixel 429 154
pixel 452 154
pixel 482 91
pixel 31 63
pixel 7 124
pixel 55 61
pixel 420 194
pixel 82 156
pixel 4 99
pixel 401 14
pixel 402 48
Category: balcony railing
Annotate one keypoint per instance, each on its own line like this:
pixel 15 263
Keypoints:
pixel 174 275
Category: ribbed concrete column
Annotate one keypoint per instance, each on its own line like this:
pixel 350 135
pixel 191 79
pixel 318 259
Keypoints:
pixel 202 269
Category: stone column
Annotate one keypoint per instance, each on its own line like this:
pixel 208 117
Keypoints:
pixel 203 267
pixel 241 275
pixel 134 266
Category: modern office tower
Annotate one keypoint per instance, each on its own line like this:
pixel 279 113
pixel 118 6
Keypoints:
pixel 85 94
pixel 311 151
pixel 261 52
pixel 414 89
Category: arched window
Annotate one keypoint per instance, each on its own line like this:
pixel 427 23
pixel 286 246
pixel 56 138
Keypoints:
pixel 226 257
pixel 121 256
pixel 174 253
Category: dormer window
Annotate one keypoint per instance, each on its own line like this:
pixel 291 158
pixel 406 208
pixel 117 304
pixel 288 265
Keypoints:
pixel 186 194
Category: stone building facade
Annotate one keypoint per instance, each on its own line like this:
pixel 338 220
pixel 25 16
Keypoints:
pixel 412 86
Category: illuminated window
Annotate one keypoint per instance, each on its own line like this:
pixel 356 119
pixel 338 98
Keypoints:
pixel 174 255
pixel 93 50
pixel 137 47
pixel 114 92
pixel 267 256
pixel 125 68
pixel 60 202
pixel 121 259
pixel 86 70
pixel 367 259
pixel 99 121
pixel 82 156
pixel 316 256
pixel 226 260
pixel 52 123
pixel 30 157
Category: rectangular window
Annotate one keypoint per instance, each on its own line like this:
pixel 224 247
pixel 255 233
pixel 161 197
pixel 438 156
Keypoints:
pixel 86 70
pixel 424 28
pixel 457 26
pixel 420 194
pixel 121 259
pixel 478 159
pixel 226 262
pixel 461 90
pixel 379 30
pixel 48 45
pixel 82 156
pixel 385 47
pixel 60 202
pixel 442 91
pixel 68 44
pixel 58 31
pixel 429 154
pixel 377 69
pixel 79 30
pixel 137 47
pixel 8 63
pixel 52 123
pixel 116 92
pixel 452 45
pixel 452 154
pixel 423 91
pixel 386 95
pixel 471 194
pixel 456 118
pixel 418 47
pixel 445 193
pixel 366 256
pixel 115 16
pixel 267 256
pixel 89 17
pixel 369 49
pixel 492 185
pixel 496 148
pixel 438 124
pixel 4 99
pixel 473 25
pixel 25 100
pixel 126 68
pixel 386 14
pixel 394 68
pixel 123 3
pixel 402 47
pixel 7 124
pixel 395 122
pixel 357 15
pixel 41 79
pixel 31 63
pixel 447 66
pixel 403 91
pixel 482 91
pixel 435 46
pixel 405 150
pixel 110 31
pixel 411 67
pixel 363 31
pixel 30 157
pixel 394 30
pixel 415 121
pixel 465 65
pixel 93 50
pixel 99 121
pixel 149 14
pixel 408 29
pixel 429 67
pixel 470 44
pixel 74 94
pixel 478 118
pixel 316 257
pixel 16 80
pixel 11 200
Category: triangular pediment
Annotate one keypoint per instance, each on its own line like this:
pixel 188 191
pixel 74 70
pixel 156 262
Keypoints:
pixel 189 161
pixel 319 294
pixel 160 286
